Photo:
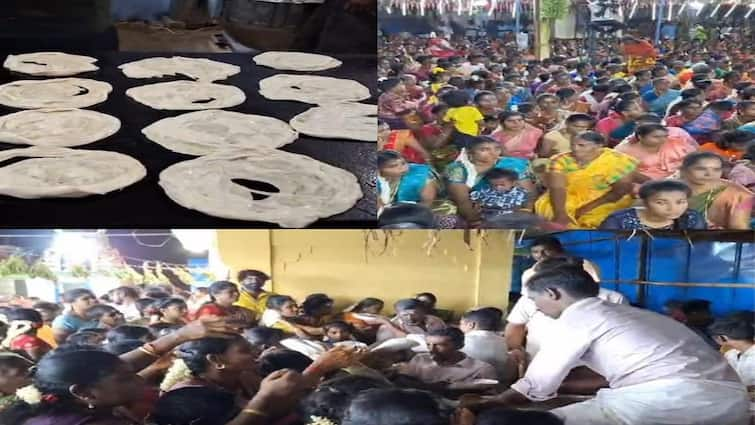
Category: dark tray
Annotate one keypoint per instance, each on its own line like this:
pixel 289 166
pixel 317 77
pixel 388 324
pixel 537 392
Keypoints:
pixel 144 204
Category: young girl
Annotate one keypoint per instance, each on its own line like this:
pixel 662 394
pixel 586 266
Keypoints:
pixel 22 333
pixel 223 295
pixel 172 311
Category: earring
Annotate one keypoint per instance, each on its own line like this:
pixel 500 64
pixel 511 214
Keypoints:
pixel 90 405
pixel 220 367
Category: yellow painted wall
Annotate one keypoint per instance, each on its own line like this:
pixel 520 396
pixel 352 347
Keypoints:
pixel 352 264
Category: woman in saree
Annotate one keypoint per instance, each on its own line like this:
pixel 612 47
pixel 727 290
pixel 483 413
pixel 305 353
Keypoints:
pixel 620 122
pixel 393 101
pixel 659 154
pixel 467 172
pixel 586 184
pixel 400 181
pixel 724 204
pixel 517 138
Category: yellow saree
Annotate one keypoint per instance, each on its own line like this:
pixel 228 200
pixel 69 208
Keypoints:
pixel 586 184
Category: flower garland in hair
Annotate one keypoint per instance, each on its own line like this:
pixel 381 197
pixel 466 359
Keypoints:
pixel 320 420
pixel 178 372
pixel 29 395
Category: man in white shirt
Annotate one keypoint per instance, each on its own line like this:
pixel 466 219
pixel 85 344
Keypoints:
pixel 659 372
pixel 482 342
pixel 124 300
pixel 550 247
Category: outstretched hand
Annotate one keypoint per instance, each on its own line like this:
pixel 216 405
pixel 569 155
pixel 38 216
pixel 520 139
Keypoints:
pixel 207 326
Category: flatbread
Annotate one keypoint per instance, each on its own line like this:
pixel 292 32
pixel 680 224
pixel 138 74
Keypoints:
pixel 356 121
pixel 313 89
pixel 54 93
pixel 308 189
pixel 50 64
pixel 206 132
pixel 53 172
pixel 296 61
pixel 187 95
pixel 198 69
pixel 57 127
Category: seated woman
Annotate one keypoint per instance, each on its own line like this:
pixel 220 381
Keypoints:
pixel 79 300
pixel 400 181
pixel 223 295
pixel 517 138
pixel 665 207
pixel 466 174
pixel 172 311
pixel 317 310
pixel 730 145
pixel 743 171
pixel 723 204
pixel 586 184
pixel 659 155
pixel 394 101
pixel 282 313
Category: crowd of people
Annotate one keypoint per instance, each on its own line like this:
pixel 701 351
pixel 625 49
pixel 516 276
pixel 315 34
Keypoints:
pixel 478 133
pixel 569 352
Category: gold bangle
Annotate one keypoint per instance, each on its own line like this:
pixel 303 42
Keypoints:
pixel 254 412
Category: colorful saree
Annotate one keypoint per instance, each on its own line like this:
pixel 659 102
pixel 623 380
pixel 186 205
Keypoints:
pixel 720 206
pixel 522 145
pixel 662 164
pixel 409 188
pixel 586 184
pixel 701 127
pixel 464 172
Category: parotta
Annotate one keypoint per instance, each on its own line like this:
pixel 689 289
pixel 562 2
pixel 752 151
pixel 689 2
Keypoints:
pixel 57 127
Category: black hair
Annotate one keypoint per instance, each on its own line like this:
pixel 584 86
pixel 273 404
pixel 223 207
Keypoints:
pixel 263 336
pixel 486 319
pixel 339 324
pixel 129 333
pixel 526 108
pixel 194 406
pixel 98 310
pixel 507 416
pixel 481 140
pixel 593 137
pixel 147 306
pixel 72 295
pixel 409 304
pixel 55 374
pixel 256 274
pixel 367 302
pixel 733 328
pixel 652 187
pixel 503 116
pixel 721 106
pixel 696 306
pixel 315 303
pixel 741 106
pixel 167 302
pixel 406 215
pixel 501 173
pixel 690 93
pixel 395 407
pixel 480 94
pixel 565 93
pixel 454 334
pixel 623 104
pixel 438 108
pixel 194 353
pixel 727 139
pixel 388 84
pixel 83 337
pixel 569 278
pixel 47 306
pixel 581 66
pixel 27 314
pixel 649 118
pixel 750 152
pixel 456 98
pixel 283 359
pixel 275 302
pixel 748 93
pixel 573 118
pixel 331 399
pixel 686 103
pixel 695 157
pixel 429 295
pixel 548 242
pixel 220 286
pixel 544 96
pixel 601 88
pixel 122 347
pixel 645 129
pixel 457 82
pixel 384 157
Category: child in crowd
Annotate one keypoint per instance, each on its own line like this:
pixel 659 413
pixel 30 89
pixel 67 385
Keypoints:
pixel 501 195
pixel 22 333
pixel 737 335
pixel 465 118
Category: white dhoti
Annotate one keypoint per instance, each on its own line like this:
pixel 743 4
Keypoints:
pixel 663 402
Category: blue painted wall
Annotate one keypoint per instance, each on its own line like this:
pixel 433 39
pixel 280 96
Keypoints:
pixel 671 260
